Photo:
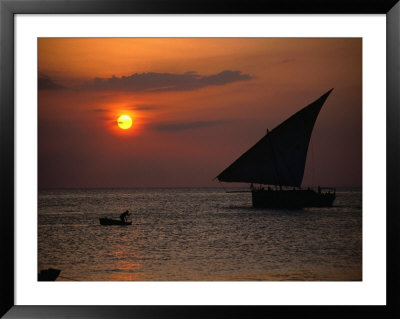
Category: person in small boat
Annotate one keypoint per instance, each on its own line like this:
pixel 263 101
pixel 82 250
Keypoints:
pixel 124 215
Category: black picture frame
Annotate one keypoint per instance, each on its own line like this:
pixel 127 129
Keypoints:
pixel 8 8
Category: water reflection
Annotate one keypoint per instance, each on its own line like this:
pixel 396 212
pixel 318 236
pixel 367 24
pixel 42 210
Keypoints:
pixel 196 234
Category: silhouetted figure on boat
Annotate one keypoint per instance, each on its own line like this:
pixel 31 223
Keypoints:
pixel 124 215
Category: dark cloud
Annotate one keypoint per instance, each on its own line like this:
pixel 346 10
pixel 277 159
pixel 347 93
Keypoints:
pixel 45 83
pixel 100 110
pixel 144 108
pixel 161 82
pixel 288 60
pixel 134 108
pixel 182 126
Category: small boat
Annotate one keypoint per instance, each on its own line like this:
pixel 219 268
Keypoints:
pixel 278 159
pixel 108 221
pixel 50 274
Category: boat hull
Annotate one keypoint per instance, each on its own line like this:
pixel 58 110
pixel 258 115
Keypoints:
pixel 50 274
pixel 109 221
pixel 291 199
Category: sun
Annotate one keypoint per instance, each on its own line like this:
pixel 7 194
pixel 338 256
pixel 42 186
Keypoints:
pixel 124 122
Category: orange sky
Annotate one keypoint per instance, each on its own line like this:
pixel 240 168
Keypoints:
pixel 196 103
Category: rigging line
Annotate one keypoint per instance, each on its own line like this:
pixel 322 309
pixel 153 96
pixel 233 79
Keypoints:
pixel 312 163
pixel 276 170
pixel 222 185
pixel 288 168
pixel 277 173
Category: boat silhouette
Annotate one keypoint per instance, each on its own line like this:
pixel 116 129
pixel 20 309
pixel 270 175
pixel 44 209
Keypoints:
pixel 110 221
pixel 278 159
pixel 49 274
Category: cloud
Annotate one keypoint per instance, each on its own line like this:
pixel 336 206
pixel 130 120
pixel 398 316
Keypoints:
pixel 144 108
pixel 287 60
pixel 45 83
pixel 161 82
pixel 182 126
pixel 100 110
pixel 134 108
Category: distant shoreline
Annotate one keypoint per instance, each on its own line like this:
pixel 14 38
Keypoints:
pixel 338 188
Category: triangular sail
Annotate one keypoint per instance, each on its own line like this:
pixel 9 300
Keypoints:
pixel 279 158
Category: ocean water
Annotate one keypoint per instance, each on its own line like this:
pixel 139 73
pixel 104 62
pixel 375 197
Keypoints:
pixel 197 234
